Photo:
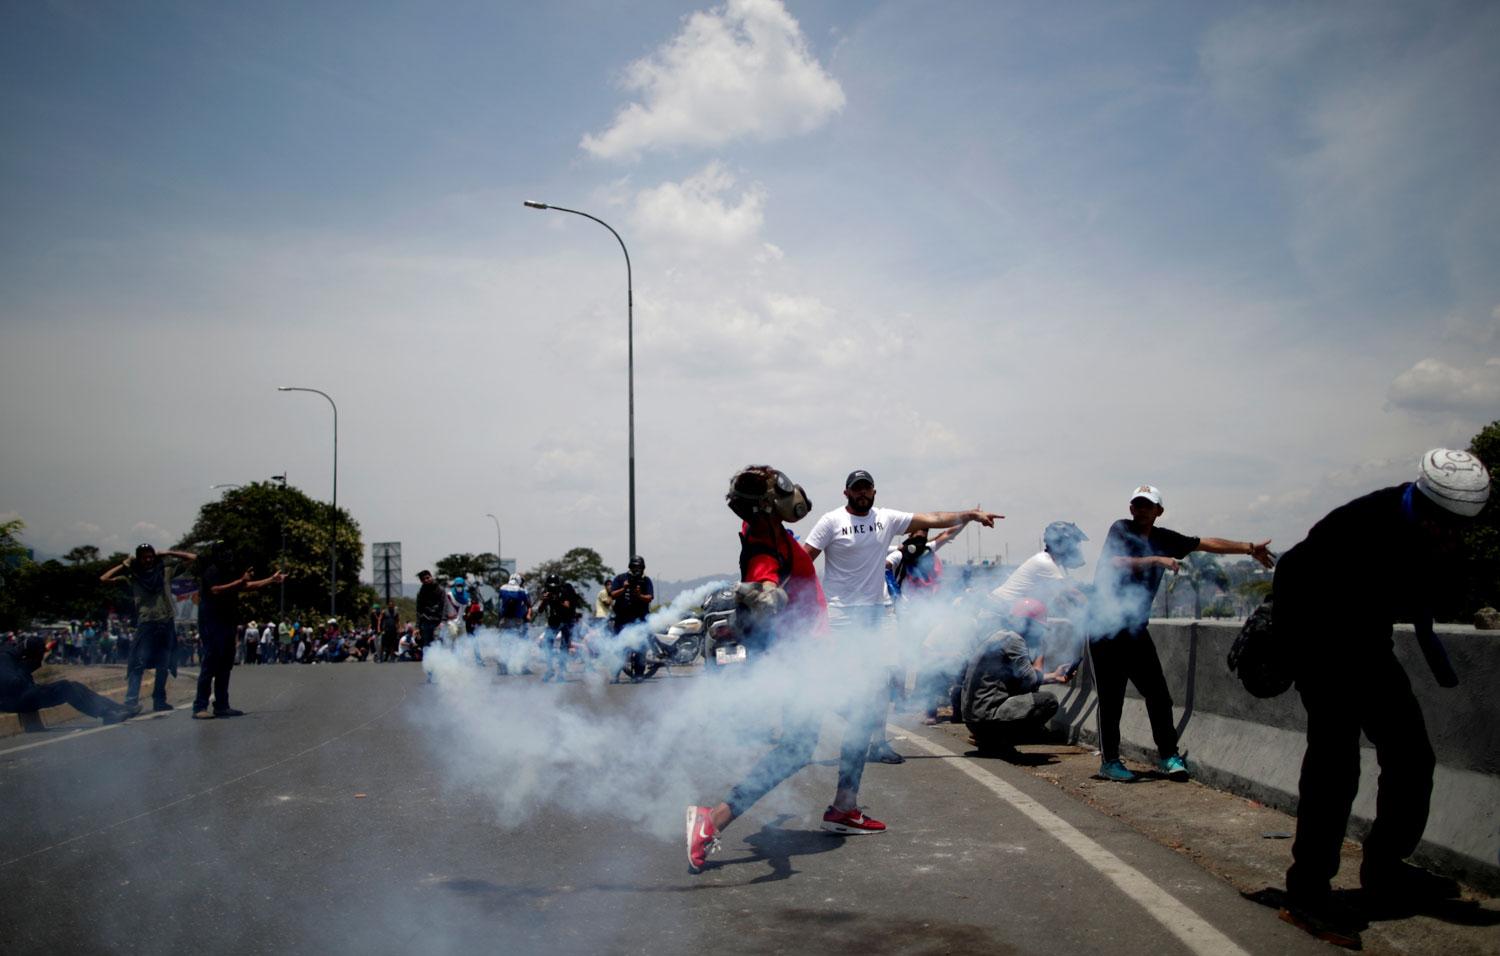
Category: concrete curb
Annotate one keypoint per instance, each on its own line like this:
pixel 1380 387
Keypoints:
pixel 1254 747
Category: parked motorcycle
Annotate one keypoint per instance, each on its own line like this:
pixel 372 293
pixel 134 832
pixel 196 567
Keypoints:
pixel 723 645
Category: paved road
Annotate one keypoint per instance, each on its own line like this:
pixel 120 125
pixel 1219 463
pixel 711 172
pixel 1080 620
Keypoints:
pixel 320 822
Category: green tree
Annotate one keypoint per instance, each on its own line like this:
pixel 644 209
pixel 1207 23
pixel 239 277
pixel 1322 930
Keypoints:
pixel 82 554
pixel 1200 570
pixel 54 591
pixel 473 567
pixel 13 562
pixel 271 527
pixel 1482 540
pixel 582 567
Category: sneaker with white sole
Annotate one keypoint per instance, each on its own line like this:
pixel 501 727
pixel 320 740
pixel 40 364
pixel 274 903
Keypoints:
pixel 702 838
pixel 851 822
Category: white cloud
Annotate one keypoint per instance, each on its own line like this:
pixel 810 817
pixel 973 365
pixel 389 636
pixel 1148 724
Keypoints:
pixel 150 533
pixel 1433 386
pixel 739 71
pixel 698 211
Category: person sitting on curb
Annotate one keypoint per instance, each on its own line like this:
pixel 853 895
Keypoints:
pixel 20 693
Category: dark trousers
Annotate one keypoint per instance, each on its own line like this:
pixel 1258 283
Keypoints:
pixel 251 651
pixel 151 646
pixel 1020 718
pixel 213 673
pixel 635 654
pixel 1368 691
pixel 37 696
pixel 1131 656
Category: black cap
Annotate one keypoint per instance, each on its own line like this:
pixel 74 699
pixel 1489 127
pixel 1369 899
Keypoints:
pixel 855 477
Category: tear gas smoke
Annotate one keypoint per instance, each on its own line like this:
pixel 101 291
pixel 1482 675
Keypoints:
pixel 538 747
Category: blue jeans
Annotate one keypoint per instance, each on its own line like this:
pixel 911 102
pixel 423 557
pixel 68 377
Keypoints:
pixel 153 641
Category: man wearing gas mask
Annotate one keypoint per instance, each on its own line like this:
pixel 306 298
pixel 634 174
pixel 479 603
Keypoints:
pixel 780 602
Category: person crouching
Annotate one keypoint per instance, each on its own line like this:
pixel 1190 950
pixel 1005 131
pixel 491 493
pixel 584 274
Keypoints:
pixel 1002 702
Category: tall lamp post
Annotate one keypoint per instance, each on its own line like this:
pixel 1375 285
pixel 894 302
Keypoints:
pixel 499 557
pixel 629 346
pixel 333 525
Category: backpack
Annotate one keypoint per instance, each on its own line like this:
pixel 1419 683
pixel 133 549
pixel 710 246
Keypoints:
pixel 1260 656
pixel 512 603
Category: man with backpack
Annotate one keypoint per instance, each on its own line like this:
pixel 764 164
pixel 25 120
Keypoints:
pixel 515 613
pixel 1350 681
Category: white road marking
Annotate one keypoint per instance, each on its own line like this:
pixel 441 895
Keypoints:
pixel 1194 932
pixel 74 735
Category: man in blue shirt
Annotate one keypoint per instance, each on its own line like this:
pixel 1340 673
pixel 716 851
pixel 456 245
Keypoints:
pixel 1135 555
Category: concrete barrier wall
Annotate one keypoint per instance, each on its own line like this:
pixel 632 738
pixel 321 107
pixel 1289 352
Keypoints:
pixel 1254 747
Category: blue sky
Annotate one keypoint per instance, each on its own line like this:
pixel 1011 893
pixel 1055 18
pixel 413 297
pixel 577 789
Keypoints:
pixel 1026 255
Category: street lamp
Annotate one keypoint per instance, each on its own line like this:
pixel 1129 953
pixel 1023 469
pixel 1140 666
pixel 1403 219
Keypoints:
pixel 499 560
pixel 629 346
pixel 333 545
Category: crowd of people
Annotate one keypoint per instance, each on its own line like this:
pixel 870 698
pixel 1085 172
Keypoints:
pixel 880 569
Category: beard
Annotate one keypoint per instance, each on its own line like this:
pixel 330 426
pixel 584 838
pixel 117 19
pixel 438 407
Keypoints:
pixel 861 504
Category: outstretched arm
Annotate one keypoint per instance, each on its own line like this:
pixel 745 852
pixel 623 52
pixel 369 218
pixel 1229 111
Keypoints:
pixel 1260 552
pixel 947 519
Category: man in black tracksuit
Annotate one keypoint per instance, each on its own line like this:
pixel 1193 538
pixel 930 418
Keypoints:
pixel 1136 553
pixel 1335 615
pixel 219 591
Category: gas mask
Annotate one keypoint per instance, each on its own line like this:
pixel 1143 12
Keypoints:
pixel 914 546
pixel 762 490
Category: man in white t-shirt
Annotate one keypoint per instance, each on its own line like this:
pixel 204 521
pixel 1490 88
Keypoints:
pixel 1044 577
pixel 856 539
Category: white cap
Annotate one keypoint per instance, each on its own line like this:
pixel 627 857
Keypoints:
pixel 1149 493
pixel 1454 480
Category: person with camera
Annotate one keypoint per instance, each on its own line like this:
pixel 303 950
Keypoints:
pixel 561 606
pixel 630 596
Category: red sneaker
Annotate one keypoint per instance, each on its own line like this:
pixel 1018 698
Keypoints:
pixel 850 822
pixel 702 838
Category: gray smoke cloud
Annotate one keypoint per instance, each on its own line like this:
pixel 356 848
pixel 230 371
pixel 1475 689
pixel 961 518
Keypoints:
pixel 531 747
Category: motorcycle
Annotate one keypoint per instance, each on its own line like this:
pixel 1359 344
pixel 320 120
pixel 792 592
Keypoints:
pixel 723 645
pixel 679 647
